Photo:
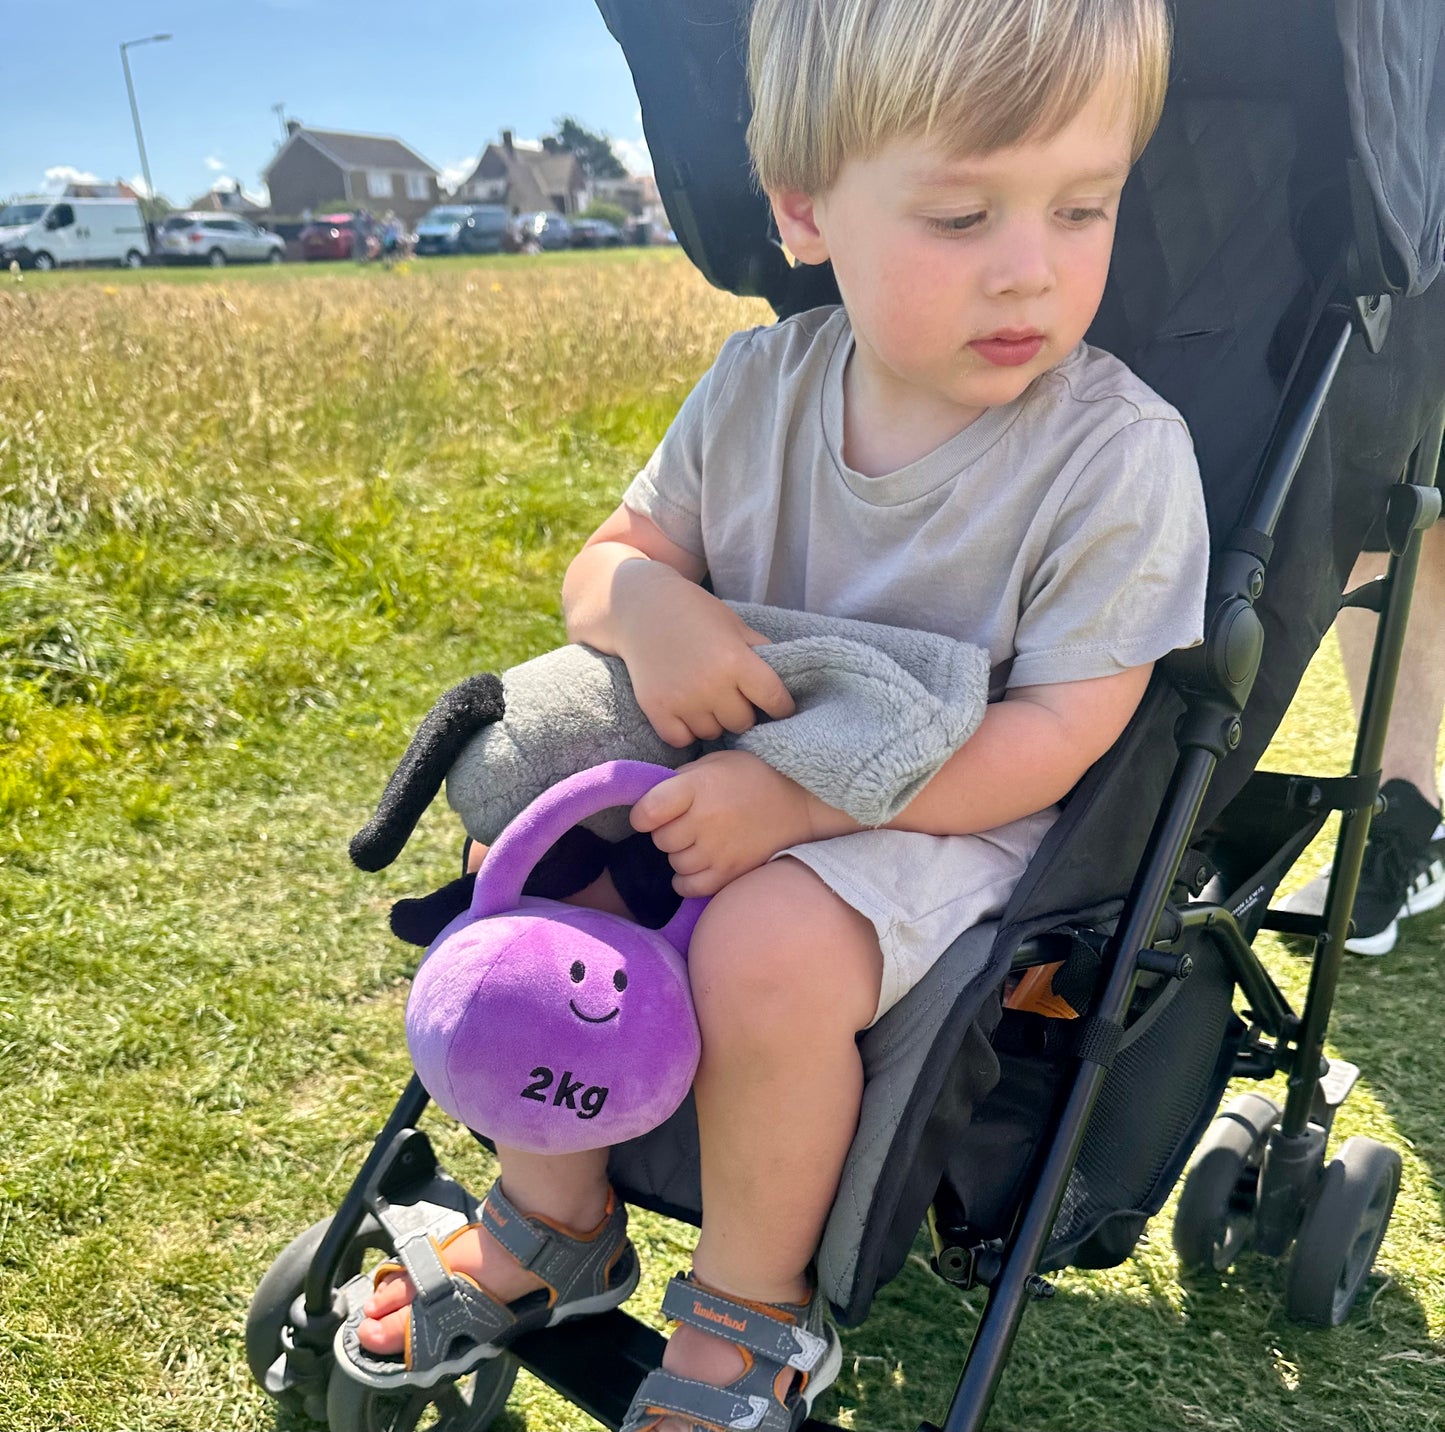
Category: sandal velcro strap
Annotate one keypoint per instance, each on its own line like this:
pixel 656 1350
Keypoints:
pixel 508 1225
pixel 788 1344
pixel 564 1262
pixel 698 1402
pixel 419 1256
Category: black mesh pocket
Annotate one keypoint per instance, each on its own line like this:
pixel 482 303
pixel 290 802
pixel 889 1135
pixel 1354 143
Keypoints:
pixel 1160 1093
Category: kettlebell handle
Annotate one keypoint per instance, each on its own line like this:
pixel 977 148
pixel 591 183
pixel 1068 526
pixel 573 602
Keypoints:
pixel 531 834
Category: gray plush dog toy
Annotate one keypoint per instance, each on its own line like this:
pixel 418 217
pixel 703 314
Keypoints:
pixel 878 710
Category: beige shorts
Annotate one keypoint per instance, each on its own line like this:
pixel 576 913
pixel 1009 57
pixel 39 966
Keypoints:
pixel 922 891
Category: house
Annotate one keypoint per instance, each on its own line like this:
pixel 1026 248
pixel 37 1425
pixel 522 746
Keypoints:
pixel 94 189
pixel 226 200
pixel 526 178
pixel 637 194
pixel 318 168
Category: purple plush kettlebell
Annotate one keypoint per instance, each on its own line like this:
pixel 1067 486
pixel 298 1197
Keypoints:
pixel 546 1026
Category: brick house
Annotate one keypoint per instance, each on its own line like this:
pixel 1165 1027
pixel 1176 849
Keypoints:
pixel 526 179
pixel 315 168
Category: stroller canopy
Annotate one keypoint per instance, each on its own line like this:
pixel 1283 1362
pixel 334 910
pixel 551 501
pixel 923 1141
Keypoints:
pixel 1396 86
pixel 688 62
pixel 687 58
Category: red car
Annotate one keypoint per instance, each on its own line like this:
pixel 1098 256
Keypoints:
pixel 329 237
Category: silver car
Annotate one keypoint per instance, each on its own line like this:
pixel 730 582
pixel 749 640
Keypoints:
pixel 218 240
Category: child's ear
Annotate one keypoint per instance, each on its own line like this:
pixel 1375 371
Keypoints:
pixel 797 220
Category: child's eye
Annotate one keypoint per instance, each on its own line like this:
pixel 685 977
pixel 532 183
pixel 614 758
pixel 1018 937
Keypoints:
pixel 1082 216
pixel 958 224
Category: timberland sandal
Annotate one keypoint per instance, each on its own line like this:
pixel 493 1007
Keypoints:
pixel 790 1352
pixel 455 1323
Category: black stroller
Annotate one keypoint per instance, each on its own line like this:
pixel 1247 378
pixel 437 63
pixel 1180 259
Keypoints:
pixel 1272 278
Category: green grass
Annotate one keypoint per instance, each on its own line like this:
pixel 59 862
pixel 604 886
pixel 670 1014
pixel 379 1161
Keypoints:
pixel 248 531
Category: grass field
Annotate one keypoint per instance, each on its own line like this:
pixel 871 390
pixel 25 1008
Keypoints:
pixel 248 530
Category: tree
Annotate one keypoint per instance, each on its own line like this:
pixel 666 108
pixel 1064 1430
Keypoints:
pixel 612 213
pixel 156 209
pixel 593 151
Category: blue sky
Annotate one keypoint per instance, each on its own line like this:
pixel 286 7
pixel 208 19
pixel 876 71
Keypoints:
pixel 446 76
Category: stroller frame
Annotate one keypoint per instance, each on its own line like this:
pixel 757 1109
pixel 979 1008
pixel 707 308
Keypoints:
pixel 597 1363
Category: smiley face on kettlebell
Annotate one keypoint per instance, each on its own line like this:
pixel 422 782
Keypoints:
pixel 579 976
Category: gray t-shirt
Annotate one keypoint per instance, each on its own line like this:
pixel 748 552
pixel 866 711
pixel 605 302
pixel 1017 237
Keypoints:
pixel 1063 532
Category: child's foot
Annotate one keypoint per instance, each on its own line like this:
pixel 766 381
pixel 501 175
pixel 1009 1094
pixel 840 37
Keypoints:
pixel 479 1296
pixel 474 1252
pixel 792 1352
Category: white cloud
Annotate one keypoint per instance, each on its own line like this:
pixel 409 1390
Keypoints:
pixel 634 155
pixel 216 166
pixel 454 174
pixel 138 183
pixel 59 175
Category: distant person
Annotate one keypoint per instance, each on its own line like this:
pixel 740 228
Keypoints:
pixel 390 239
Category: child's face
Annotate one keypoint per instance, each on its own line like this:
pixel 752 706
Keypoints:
pixel 965 279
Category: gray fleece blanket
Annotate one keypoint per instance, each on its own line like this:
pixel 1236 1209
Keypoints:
pixel 879 709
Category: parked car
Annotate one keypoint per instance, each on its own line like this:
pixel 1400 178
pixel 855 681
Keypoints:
pixel 595 234
pixel 45 233
pixel 462 229
pixel 218 240
pixel 545 229
pixel 649 231
pixel 332 236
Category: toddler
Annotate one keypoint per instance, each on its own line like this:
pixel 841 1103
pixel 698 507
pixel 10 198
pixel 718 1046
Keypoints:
pixel 942 451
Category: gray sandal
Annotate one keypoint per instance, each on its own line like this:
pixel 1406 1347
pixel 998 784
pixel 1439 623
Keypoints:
pixel 780 1338
pixel 455 1323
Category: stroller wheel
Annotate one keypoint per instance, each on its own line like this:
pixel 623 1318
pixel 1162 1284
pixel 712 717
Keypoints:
pixel 291 1367
pixel 465 1404
pixel 1215 1219
pixel 1337 1242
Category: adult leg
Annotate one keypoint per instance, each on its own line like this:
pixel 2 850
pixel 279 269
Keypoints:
pixel 1404 869
pixel 1412 740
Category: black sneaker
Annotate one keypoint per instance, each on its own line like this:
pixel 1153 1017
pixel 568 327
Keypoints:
pixel 1404 870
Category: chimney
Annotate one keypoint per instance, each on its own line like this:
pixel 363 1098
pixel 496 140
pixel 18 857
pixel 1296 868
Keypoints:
pixel 292 125
pixel 507 140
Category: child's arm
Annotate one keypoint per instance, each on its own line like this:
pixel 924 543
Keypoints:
pixel 1028 753
pixel 729 813
pixel 633 592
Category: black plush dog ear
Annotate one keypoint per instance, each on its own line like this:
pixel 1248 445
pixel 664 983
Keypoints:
pixel 420 921
pixel 445 729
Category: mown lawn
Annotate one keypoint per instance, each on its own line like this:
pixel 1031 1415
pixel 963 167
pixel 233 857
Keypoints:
pixel 248 530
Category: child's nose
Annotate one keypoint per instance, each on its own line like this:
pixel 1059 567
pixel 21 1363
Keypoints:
pixel 1020 263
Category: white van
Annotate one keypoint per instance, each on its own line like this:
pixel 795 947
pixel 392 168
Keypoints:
pixel 44 233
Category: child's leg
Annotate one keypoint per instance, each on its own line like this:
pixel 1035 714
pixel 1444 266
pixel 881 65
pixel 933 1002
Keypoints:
pixel 569 1189
pixel 784 975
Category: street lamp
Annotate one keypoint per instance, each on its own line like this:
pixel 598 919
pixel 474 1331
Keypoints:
pixel 145 167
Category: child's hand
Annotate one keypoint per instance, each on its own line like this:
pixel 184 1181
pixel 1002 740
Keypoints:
pixel 724 815
pixel 691 659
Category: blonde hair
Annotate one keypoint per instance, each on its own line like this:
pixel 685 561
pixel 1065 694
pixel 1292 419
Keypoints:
pixel 832 79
